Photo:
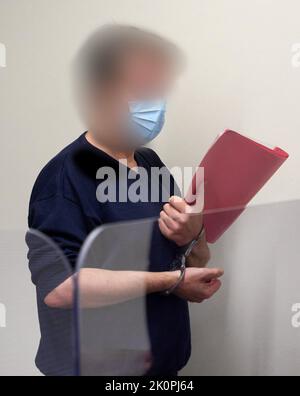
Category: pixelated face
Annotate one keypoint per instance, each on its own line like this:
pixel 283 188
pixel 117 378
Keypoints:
pixel 144 75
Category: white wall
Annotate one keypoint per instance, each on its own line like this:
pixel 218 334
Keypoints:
pixel 247 328
pixel 239 76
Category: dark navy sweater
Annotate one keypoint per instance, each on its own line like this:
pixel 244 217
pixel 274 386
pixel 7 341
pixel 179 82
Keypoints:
pixel 64 207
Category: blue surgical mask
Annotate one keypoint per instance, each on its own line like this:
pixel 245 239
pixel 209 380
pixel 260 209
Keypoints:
pixel 147 119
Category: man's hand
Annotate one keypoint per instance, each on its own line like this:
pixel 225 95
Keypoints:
pixel 199 284
pixel 178 223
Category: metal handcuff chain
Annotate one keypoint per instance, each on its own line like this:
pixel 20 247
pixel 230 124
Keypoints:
pixel 181 262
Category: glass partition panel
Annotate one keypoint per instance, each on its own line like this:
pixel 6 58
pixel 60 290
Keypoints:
pixel 113 335
pixel 252 326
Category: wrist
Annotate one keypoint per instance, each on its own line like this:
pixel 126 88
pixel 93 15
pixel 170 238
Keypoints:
pixel 161 281
pixel 180 279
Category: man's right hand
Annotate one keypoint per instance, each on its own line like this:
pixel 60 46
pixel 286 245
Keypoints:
pixel 199 284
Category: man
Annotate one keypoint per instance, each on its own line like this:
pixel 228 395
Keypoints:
pixel 124 74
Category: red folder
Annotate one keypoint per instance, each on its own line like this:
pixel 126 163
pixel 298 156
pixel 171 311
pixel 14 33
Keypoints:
pixel 235 169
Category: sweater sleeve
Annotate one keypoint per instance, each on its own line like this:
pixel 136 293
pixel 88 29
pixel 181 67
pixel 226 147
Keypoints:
pixel 53 253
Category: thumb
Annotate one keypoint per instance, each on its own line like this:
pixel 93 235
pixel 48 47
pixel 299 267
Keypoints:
pixel 211 273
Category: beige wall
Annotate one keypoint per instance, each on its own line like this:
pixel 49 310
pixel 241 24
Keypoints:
pixel 239 76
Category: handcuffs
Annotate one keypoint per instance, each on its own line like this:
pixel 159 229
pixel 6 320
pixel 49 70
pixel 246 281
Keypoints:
pixel 180 262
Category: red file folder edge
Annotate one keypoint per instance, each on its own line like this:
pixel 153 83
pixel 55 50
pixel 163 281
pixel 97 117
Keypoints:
pixel 235 169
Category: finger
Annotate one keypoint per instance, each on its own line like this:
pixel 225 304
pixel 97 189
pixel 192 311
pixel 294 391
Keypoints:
pixel 170 234
pixel 211 273
pixel 169 222
pixel 179 204
pixel 183 208
pixel 164 229
pixel 212 282
pixel 212 287
pixel 173 213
